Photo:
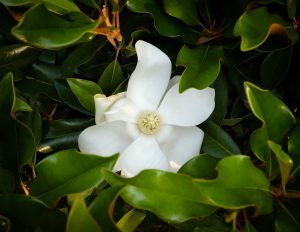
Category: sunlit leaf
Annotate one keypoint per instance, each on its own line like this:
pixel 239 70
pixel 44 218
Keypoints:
pixel 131 220
pixel 79 218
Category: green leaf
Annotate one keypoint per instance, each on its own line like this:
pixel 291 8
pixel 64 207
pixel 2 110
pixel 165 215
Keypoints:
pixel 217 142
pixel 292 8
pixel 79 218
pixel 13 57
pixel 30 214
pixel 221 99
pixel 82 54
pixel 131 220
pixel 202 166
pixel 159 192
pixel 102 208
pixel 248 227
pixel 68 97
pixel 44 29
pixel 285 220
pixel 284 161
pixel 111 78
pixel 61 6
pixel 202 66
pixel 17 2
pixel 84 90
pixel 188 13
pixel 294 146
pixel 256 25
pixel 165 25
pixel 275 66
pixel 71 172
pixel 239 184
pixel 7 181
pixel 277 119
pixel 17 146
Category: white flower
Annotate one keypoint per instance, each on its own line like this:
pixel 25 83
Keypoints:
pixel 152 125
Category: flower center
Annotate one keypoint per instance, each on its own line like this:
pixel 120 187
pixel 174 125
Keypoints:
pixel 149 123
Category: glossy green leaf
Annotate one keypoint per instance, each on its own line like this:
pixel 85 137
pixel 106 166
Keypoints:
pixel 294 146
pixel 165 25
pixel 202 66
pixel 71 172
pixel 202 166
pixel 284 161
pixel 13 57
pixel 102 208
pixel 248 227
pixel 217 142
pixel 30 214
pixel 255 26
pixel 111 78
pixel 292 8
pixel 17 2
pixel 46 72
pixel 277 119
pixel 84 90
pixel 44 29
pixel 188 13
pixel 275 66
pixel 159 192
pixel 61 6
pixel 82 54
pixel 17 147
pixel 69 97
pixel 131 220
pixel 239 184
pixel 79 218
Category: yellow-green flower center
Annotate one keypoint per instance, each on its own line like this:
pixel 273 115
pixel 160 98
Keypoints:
pixel 149 123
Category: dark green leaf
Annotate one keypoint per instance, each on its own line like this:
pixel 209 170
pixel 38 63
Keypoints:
pixel 188 13
pixel 79 218
pixel 84 90
pixel 256 25
pixel 71 172
pixel 82 54
pixel 165 25
pixel 61 6
pixel 294 146
pixel 17 2
pixel 44 29
pixel 202 66
pixel 217 142
pixel 111 78
pixel 285 220
pixel 29 214
pixel 275 66
pixel 7 181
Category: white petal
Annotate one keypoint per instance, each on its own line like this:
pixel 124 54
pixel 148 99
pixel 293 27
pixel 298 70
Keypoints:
pixel 102 103
pixel 174 80
pixel 143 153
pixel 189 108
pixel 105 139
pixel 179 144
pixel 123 110
pixel 149 81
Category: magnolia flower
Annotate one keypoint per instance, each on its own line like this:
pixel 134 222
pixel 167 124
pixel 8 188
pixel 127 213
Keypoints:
pixel 152 125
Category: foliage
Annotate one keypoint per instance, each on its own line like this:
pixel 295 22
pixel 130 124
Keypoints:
pixel 55 55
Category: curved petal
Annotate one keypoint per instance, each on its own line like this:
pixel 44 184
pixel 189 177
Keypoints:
pixel 105 139
pixel 149 81
pixel 189 108
pixel 102 103
pixel 123 110
pixel 179 144
pixel 143 153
